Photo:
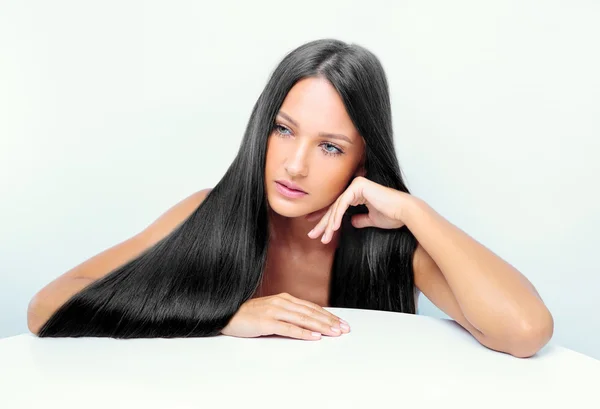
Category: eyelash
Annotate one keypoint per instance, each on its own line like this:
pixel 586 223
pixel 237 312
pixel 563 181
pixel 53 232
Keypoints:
pixel 339 152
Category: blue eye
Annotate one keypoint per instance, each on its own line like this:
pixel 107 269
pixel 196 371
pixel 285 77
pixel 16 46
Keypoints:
pixel 336 150
pixel 279 129
pixel 284 132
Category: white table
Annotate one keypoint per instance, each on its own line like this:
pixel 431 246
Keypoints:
pixel 388 360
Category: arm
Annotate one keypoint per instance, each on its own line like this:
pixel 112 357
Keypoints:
pixel 59 291
pixel 51 297
pixel 482 292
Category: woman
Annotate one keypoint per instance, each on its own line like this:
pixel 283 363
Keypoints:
pixel 313 212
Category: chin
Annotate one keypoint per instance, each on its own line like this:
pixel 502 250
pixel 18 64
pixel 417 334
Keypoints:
pixel 288 208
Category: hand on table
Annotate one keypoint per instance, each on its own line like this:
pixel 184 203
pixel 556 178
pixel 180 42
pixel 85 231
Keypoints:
pixel 285 315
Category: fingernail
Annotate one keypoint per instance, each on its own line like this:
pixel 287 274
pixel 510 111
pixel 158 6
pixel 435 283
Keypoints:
pixel 311 232
pixel 336 330
pixel 316 334
pixel 344 322
pixel 345 327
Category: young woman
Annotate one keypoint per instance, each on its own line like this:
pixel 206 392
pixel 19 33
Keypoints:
pixel 313 212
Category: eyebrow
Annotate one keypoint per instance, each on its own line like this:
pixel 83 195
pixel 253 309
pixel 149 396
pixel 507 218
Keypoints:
pixel 324 134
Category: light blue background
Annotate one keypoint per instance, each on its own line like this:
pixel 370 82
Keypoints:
pixel 111 112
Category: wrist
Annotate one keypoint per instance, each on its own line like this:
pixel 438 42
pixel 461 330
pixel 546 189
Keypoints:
pixel 411 207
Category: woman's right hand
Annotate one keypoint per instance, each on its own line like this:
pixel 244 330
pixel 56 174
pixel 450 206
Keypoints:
pixel 284 315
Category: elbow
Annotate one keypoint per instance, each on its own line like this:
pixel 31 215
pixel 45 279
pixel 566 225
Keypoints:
pixel 34 329
pixel 34 326
pixel 34 323
pixel 531 335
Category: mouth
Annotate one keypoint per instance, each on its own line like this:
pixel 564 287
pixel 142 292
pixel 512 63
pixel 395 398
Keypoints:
pixel 286 191
pixel 290 185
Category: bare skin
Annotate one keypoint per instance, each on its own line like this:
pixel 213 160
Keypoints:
pixel 46 301
pixel 296 264
pixel 305 148
pixel 302 149
pixel 310 278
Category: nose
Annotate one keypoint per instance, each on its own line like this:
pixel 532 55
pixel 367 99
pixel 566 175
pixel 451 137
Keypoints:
pixel 296 163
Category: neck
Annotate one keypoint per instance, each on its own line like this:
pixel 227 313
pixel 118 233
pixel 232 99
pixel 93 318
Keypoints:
pixel 291 234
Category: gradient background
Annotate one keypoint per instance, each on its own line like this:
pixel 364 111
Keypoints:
pixel 112 112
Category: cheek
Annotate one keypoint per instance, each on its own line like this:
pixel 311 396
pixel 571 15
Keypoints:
pixel 270 158
pixel 274 150
pixel 334 184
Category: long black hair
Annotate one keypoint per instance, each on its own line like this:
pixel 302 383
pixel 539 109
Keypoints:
pixel 192 282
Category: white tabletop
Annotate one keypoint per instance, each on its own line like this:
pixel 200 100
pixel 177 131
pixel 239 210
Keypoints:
pixel 388 360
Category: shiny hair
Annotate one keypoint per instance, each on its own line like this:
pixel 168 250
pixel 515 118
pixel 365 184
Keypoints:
pixel 193 281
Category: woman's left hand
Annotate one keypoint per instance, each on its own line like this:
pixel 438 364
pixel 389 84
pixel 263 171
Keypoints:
pixel 385 208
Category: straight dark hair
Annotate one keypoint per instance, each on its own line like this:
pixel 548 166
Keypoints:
pixel 193 281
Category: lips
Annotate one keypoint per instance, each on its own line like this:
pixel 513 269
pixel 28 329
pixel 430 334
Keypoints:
pixel 290 185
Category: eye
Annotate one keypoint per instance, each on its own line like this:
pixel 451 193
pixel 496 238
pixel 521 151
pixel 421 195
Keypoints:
pixel 280 129
pixel 336 151
pixel 328 148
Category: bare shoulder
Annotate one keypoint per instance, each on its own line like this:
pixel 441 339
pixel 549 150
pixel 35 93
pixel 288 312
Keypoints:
pixel 57 292
pixel 173 217
pixel 120 253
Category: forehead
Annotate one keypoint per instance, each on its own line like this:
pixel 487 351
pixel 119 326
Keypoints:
pixel 317 107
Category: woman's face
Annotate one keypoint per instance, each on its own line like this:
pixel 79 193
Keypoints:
pixel 314 145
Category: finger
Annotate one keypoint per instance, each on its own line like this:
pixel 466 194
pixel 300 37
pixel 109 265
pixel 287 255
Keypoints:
pixel 305 318
pixel 327 324
pixel 319 228
pixel 361 220
pixel 332 319
pixel 327 230
pixel 327 233
pixel 334 221
pixel 285 329
pixel 350 199
pixel 340 209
